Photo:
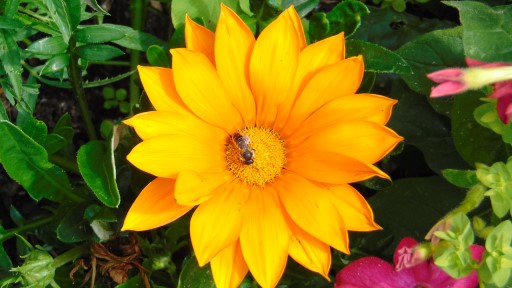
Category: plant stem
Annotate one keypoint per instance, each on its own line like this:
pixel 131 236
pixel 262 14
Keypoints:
pixel 69 256
pixel 137 9
pixel 75 77
pixel 65 163
pixel 28 226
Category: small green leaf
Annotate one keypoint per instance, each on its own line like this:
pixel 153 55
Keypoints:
pixel 318 26
pixel 377 58
pixel 194 276
pixel 96 164
pixel 121 94
pixel 32 127
pixel 108 92
pixel 11 7
pixel 158 56
pixel 63 127
pixel 461 178
pixel 487 29
pixel 346 16
pixel 98 52
pixel 48 46
pixel 94 34
pixel 94 5
pixel 54 143
pixel 27 163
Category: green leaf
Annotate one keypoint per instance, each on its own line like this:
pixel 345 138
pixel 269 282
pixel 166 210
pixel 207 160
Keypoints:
pixel 94 5
pixel 11 61
pixel 158 56
pixel 32 127
pixel 303 7
pixel 63 127
pixel 411 207
pixel 66 14
pixel 57 63
pixel 474 142
pixel 487 29
pixel 439 49
pixel 415 120
pixel 10 23
pixel 3 113
pixel 27 163
pixel 377 58
pixel 54 143
pixel 98 52
pixel 135 40
pixel 73 228
pixel 11 7
pixel 318 26
pixel 392 29
pixel 207 10
pixel 194 276
pixel 96 164
pixel 98 34
pixel 48 46
pixel 461 178
pixel 346 16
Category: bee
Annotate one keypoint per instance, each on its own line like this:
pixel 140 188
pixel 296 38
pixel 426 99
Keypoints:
pixel 243 143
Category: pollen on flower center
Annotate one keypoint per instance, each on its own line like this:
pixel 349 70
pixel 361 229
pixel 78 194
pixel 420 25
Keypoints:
pixel 255 155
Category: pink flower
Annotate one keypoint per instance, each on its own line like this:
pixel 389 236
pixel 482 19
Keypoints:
pixel 457 80
pixel 373 272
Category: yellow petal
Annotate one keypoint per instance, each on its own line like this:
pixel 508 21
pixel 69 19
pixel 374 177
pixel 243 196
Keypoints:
pixel 154 207
pixel 157 123
pixel 369 107
pixel 333 168
pixel 311 209
pixel 273 64
pixel 356 212
pixel 233 47
pixel 331 82
pixel 265 237
pixel 229 267
pixel 366 141
pixel 216 223
pixel 202 90
pixel 311 59
pixel 160 88
pixel 308 251
pixel 194 188
pixel 199 38
pixel 167 155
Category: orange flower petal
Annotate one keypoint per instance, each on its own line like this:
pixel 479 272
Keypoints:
pixel 157 123
pixel 199 38
pixel 273 64
pixel 333 168
pixel 159 86
pixel 356 212
pixel 311 59
pixel 368 141
pixel 229 267
pixel 308 251
pixel 167 155
pixel 310 207
pixel 369 107
pixel 331 82
pixel 194 188
pixel 154 207
pixel 265 237
pixel 201 89
pixel 233 47
pixel 216 223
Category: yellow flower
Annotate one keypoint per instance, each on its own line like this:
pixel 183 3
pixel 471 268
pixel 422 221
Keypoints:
pixel 263 136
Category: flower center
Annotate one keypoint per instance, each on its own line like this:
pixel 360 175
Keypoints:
pixel 255 155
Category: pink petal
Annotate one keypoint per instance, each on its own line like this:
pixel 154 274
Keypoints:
pixel 449 74
pixel 447 88
pixel 367 272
